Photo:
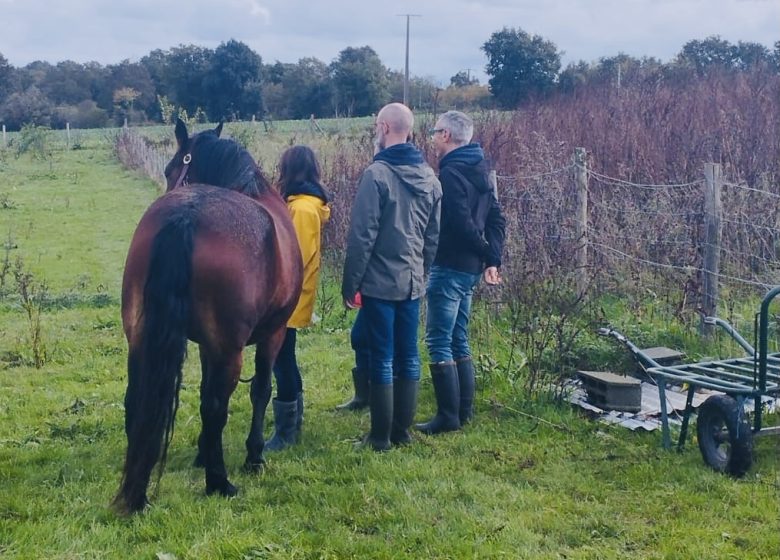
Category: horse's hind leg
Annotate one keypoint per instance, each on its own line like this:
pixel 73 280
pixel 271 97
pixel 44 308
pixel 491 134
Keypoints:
pixel 260 394
pixel 204 367
pixel 221 375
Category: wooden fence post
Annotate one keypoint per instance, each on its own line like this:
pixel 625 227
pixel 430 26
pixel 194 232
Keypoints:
pixel 67 133
pixel 5 144
pixel 713 180
pixel 581 220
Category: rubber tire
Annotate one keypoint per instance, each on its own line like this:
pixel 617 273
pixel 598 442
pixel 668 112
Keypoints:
pixel 715 414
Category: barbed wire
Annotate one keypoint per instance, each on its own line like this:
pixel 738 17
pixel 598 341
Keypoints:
pixel 746 188
pixel 684 268
pixel 646 212
pixel 537 176
pixel 748 225
pixel 647 186
pixel 743 256
pixel 545 223
pixel 639 238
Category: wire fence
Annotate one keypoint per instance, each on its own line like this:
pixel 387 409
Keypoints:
pixel 641 236
pixel 638 235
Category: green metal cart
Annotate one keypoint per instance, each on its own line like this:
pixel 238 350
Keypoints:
pixel 723 428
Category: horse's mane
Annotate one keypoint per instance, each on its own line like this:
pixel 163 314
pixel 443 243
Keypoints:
pixel 225 163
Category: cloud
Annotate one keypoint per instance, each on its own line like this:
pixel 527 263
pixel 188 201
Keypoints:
pixel 445 40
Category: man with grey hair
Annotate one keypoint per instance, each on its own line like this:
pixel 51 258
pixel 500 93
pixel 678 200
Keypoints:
pixel 471 241
pixel 394 229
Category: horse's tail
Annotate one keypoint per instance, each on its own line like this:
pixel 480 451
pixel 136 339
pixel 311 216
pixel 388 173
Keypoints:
pixel 154 365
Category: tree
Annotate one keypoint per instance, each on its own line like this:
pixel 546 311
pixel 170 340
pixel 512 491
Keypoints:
pixel 463 79
pixel 8 79
pixel 422 90
pixel 132 75
pixel 703 55
pixel 576 75
pixel 69 83
pixel 309 90
pixel 520 65
pixel 275 73
pixel 185 70
pixel 83 115
pixel 157 64
pixel 233 83
pixel 360 81
pixel 28 107
pixel 748 55
pixel 465 98
pixel 123 101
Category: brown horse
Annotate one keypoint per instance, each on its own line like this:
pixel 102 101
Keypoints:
pixel 214 260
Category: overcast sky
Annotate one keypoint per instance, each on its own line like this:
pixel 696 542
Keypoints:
pixel 444 40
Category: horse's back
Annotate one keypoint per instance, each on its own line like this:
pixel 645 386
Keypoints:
pixel 240 274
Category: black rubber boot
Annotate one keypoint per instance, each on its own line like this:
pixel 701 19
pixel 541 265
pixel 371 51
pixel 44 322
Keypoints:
pixel 445 385
pixel 360 400
pixel 299 414
pixel 467 388
pixel 404 407
pixel 380 404
pixel 285 433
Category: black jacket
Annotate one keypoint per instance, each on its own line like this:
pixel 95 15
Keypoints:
pixel 472 230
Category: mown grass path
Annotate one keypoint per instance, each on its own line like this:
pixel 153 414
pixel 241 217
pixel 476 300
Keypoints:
pixel 508 486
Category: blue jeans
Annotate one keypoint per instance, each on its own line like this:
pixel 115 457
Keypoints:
pixel 449 305
pixel 392 335
pixel 360 342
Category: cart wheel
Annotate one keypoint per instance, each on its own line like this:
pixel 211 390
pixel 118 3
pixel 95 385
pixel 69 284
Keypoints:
pixel 725 439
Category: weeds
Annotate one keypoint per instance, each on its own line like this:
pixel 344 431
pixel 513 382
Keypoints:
pixel 32 294
pixel 6 203
pixel 35 140
pixel 5 265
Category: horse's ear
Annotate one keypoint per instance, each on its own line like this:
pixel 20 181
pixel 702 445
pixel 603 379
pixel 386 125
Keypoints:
pixel 218 130
pixel 181 133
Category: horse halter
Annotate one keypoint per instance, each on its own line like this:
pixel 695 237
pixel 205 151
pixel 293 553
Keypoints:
pixel 182 180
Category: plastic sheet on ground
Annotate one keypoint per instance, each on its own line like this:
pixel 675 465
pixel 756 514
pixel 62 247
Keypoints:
pixel 649 416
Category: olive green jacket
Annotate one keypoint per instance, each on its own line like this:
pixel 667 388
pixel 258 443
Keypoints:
pixel 394 231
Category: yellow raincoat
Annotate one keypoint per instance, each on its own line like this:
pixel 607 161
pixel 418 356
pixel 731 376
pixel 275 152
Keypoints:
pixel 309 214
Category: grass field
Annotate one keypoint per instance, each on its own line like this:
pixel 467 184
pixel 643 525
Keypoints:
pixel 525 480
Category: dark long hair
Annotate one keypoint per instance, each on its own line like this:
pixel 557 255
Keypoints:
pixel 298 165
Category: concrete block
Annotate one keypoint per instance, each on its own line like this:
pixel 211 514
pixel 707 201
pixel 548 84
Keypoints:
pixel 611 391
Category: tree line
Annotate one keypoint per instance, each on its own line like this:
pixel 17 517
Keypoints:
pixel 231 82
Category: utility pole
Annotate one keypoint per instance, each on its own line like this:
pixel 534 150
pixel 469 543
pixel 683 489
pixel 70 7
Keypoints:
pixel 406 67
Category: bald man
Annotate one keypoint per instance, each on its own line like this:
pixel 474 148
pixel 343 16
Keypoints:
pixel 391 244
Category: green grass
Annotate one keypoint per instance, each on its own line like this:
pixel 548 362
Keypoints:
pixel 525 480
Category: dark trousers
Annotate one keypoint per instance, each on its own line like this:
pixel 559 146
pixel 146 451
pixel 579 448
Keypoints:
pixel 392 335
pixel 286 372
pixel 361 343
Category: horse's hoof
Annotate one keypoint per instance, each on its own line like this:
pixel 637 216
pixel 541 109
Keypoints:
pixel 226 490
pixel 254 467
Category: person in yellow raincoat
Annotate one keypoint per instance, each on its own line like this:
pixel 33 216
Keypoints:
pixel 307 200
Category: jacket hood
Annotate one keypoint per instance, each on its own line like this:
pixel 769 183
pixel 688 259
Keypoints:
pixel 309 188
pixel 419 179
pixel 469 161
pixel 470 154
pixel 314 202
pixel 401 154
